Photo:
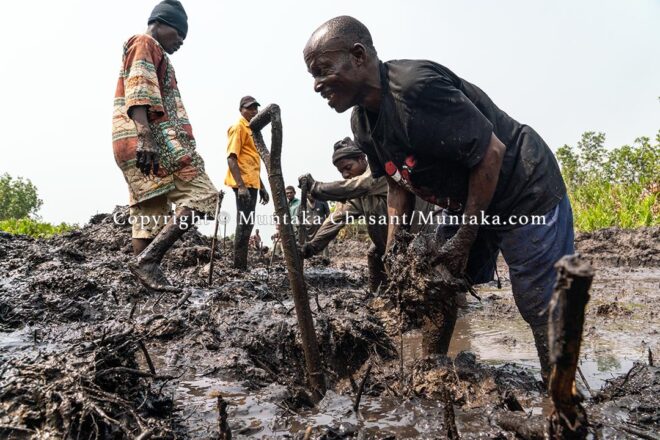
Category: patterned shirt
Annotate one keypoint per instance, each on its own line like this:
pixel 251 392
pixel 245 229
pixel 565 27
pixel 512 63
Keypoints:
pixel 147 79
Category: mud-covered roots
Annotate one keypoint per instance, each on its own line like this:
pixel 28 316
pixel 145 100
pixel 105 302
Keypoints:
pixel 424 289
pixel 94 390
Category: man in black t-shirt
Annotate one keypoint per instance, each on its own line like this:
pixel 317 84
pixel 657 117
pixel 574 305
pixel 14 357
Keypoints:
pixel 437 136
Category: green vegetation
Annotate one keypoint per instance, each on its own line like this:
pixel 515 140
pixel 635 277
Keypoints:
pixel 619 187
pixel 18 198
pixel 19 203
pixel 34 228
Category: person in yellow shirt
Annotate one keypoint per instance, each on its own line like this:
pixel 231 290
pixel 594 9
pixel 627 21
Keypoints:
pixel 243 176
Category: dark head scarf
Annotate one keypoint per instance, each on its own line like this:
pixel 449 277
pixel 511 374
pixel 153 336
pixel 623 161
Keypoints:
pixel 171 13
pixel 345 149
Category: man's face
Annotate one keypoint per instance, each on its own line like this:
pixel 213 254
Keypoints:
pixel 336 77
pixel 168 37
pixel 351 167
pixel 290 194
pixel 250 112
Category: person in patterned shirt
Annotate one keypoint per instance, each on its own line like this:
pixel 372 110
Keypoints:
pixel 154 145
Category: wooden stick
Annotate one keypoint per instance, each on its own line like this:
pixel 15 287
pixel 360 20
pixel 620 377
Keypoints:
pixel 358 397
pixel 565 325
pixel 584 381
pixel 302 212
pixel 221 195
pixel 147 357
pixel 272 254
pixel 273 161
pixel 223 425
pixel 451 431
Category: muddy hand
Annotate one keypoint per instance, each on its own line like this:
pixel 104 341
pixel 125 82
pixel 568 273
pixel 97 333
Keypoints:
pixel 306 251
pixel 263 196
pixel 147 157
pixel 455 252
pixel 307 180
pixel 243 194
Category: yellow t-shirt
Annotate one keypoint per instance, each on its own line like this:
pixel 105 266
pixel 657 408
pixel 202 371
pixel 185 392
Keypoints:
pixel 242 145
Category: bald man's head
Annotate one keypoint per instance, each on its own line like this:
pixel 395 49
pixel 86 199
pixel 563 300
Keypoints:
pixel 339 33
pixel 341 57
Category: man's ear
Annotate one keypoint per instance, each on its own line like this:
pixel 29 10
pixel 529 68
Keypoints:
pixel 359 53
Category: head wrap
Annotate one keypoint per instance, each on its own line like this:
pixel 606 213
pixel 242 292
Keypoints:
pixel 171 13
pixel 345 149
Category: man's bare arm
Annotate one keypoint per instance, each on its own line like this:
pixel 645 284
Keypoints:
pixel 232 161
pixel 481 188
pixel 399 203
pixel 484 177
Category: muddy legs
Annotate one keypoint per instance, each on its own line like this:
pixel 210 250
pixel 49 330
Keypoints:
pixel 377 275
pixel 146 266
pixel 540 333
pixel 140 244
pixel 439 319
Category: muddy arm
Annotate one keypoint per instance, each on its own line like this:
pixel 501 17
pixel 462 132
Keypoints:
pixel 349 188
pixel 331 227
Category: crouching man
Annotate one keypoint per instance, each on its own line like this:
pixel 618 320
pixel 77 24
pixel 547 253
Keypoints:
pixel 359 194
pixel 437 136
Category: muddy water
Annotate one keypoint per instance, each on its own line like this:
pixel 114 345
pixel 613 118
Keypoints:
pixel 492 329
pixel 621 325
pixel 611 345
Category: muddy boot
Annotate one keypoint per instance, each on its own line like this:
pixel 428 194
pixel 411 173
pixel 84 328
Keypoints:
pixel 377 275
pixel 146 266
pixel 540 333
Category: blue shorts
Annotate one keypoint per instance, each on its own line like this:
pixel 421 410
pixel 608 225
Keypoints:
pixel 531 252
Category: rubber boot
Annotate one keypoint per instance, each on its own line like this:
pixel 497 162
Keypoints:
pixel 377 275
pixel 540 333
pixel 146 266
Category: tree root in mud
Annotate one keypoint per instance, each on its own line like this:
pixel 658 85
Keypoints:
pixel 94 390
pixel 425 291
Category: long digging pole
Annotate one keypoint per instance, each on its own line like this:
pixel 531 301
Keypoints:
pixel 221 195
pixel 565 325
pixel 272 159
pixel 302 213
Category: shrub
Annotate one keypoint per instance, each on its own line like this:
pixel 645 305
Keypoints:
pixel 34 228
pixel 619 187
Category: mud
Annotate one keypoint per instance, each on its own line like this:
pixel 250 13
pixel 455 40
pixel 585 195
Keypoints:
pixel 621 247
pixel 69 309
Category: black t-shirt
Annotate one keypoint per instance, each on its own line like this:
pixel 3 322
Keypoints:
pixel 433 127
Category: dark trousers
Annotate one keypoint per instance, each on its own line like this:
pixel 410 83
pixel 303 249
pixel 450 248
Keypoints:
pixel 244 223
pixel 531 252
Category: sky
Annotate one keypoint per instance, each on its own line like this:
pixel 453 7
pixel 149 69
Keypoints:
pixel 562 66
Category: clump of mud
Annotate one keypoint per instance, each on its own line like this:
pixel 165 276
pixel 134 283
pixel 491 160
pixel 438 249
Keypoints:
pixel 621 247
pixel 417 277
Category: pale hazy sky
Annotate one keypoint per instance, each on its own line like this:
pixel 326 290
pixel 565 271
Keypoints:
pixel 561 66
